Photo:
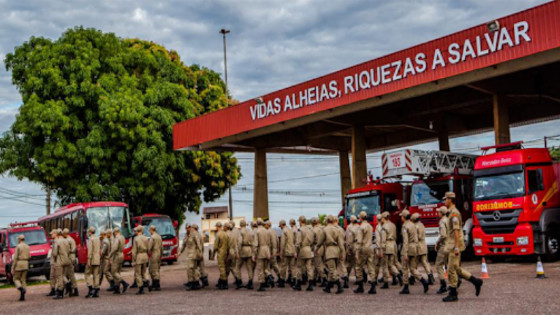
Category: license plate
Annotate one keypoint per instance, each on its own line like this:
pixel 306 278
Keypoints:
pixel 166 253
pixel 498 239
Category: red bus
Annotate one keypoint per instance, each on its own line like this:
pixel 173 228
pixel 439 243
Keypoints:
pixel 166 228
pixel 78 217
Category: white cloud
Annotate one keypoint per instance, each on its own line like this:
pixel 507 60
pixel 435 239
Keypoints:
pixel 139 15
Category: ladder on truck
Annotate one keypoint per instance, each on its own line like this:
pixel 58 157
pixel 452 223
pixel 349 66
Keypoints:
pixel 426 163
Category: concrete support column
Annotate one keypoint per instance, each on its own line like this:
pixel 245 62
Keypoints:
pixel 359 163
pixel 260 192
pixel 345 178
pixel 501 120
pixel 443 140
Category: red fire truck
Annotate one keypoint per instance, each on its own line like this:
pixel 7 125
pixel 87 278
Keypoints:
pixel 436 173
pixel 516 202
pixel 166 228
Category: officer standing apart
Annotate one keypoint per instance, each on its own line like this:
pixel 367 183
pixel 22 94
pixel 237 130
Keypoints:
pixel 305 240
pixel 247 253
pixel 287 253
pixel 221 246
pixel 441 258
pixel 455 244
pixel 334 242
pixel 422 255
pixel 409 252
pixel 264 253
pixel 116 257
pixel 20 265
pixel 140 258
pixel 93 262
pixel 364 255
pixel 72 284
pixel 155 250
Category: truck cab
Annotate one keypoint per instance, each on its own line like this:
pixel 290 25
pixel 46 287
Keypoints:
pixel 39 249
pixel 165 228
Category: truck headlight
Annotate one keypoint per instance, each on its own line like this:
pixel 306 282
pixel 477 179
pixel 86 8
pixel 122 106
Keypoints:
pixel 477 242
pixel 524 240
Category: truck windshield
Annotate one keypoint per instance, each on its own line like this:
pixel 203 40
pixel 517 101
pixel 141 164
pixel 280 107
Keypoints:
pixel 369 204
pixel 103 218
pixel 164 227
pixel 499 186
pixel 428 193
pixel 32 237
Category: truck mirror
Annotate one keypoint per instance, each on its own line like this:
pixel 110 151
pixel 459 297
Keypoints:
pixel 175 224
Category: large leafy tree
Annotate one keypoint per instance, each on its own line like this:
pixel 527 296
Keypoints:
pixel 97 119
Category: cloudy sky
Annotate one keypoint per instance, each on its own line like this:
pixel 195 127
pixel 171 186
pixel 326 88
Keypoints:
pixel 273 44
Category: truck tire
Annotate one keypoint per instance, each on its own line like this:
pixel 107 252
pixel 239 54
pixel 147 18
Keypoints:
pixel 552 244
pixel 9 275
pixel 48 275
pixel 170 262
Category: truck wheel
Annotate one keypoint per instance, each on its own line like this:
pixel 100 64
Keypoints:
pixel 170 262
pixel 9 275
pixel 552 244
pixel 48 275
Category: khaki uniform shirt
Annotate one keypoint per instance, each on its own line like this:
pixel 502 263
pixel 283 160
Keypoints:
pixel 442 231
pixel 351 238
pixel 334 242
pixel 140 249
pixel 264 243
pixel 190 243
pixel 410 239
pixel 105 249
pixel 117 246
pixel 236 238
pixel 155 247
pixel 319 245
pixel 274 241
pixel 455 223
pixel 287 243
pixel 364 239
pixel 305 240
pixel 72 253
pixel 232 250
pixel 21 257
pixel 221 244
pixel 388 238
pixel 94 251
pixel 61 250
pixel 248 243
pixel 200 244
pixel 422 246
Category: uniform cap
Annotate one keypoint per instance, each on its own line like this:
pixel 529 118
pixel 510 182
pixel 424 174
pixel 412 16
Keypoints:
pixel 91 229
pixel 109 231
pixel 195 226
pixel 102 231
pixel 218 224
pixel 53 231
pixel 232 223
pixel 65 231
pixel 188 225
pixel 282 222
pixel 353 218
pixel 302 218
pixel 442 210
pixel 242 223
pixel 140 228
pixel 292 221
pixel 404 213
pixel 153 227
pixel 21 237
pixel 385 214
pixel 363 214
pixel 415 216
pixel 253 224
pixel 59 231
pixel 260 221
pixel 116 229
pixel 379 216
pixel 449 194
pixel 267 222
pixel 331 218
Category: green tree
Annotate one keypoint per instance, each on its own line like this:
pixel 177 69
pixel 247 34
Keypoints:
pixel 97 119
pixel 555 153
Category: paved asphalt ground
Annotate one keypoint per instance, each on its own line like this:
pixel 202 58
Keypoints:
pixel 511 289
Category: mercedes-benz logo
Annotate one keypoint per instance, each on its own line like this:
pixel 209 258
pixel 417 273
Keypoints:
pixel 497 215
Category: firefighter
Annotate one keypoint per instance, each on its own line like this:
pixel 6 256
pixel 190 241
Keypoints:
pixel 389 248
pixel 454 245
pixel 319 252
pixel 409 252
pixel 235 237
pixel 194 253
pixel 93 261
pixel 292 276
pixel 264 253
pixel 60 252
pixel 53 271
pixel 441 258
pixel 200 263
pixel 247 253
pixel 155 250
pixel 351 231
pixel 140 259
pixel 364 255
pixel 377 252
pixel 305 240
pixel 105 268
pixel 334 242
pixel 287 253
pixel 274 256
pixel 221 246
pixel 20 266
pixel 71 284
pixel 116 257
pixel 422 255
pixel 340 265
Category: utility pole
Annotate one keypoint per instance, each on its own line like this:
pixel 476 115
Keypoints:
pixel 48 199
pixel 223 31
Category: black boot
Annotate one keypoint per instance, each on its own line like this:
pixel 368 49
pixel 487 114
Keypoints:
pixel 452 297
pixel 360 288
pixel 95 293
pixel 459 281
pixel 158 287
pixel 338 287
pixel 262 287
pixel 52 293
pixel 281 283
pixel 140 290
pixel 426 284
pixel 328 287
pixel 111 286
pixel 134 285
pixel 304 279
pixel 399 277
pixel 204 281
pixel 477 284
pixel 189 286
pixel 431 279
pixel 345 280
pixel 58 294
pixel 124 286
pixel 146 284
pixel 117 289
pixel 405 290
pixel 297 286
pixel 75 293
pixel 150 286
pixel 225 285
pixel 21 294
pixel 249 285
pixel 395 281
pixel 238 284
pixel 442 287
pixel 68 288
pixel 372 288
pixel 271 281
pixel 411 280
pixel 311 285
pixel 90 292
pixel 195 285
pixel 364 273
pixel 381 280
pixel 386 285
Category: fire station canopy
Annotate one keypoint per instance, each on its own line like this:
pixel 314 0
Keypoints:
pixel 506 71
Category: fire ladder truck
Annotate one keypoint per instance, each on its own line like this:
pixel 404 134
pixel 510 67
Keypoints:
pixel 426 163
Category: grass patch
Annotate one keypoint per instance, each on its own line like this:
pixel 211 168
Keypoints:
pixel 29 283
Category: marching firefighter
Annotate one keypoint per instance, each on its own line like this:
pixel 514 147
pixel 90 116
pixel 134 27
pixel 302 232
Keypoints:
pixel 155 250
pixel 422 255
pixel 351 231
pixel 247 253
pixel 454 245
pixel 287 253
pixel 200 263
pixel 334 242
pixel 194 253
pixel 72 285
pixel 409 252
pixel 319 252
pixel 389 248
pixel 221 246
pixel 54 267
pixel 235 237
pixel 274 254
pixel 364 255
pixel 116 258
pixel 20 266
pixel 441 258
pixel 140 259
pixel 305 240
pixel 293 276
pixel 264 253
pixel 93 261
pixel 105 268
pixel 377 252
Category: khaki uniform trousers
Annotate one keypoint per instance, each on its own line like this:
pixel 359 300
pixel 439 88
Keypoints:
pixel 192 273
pixel 264 269
pixel 389 265
pixel 332 269
pixel 248 262
pixel 116 266
pixel 410 268
pixel 154 269
pixel 350 263
pixel 305 265
pixel 454 270
pixel 53 275
pixel 106 270
pixel 441 261
pixel 422 260
pixel 61 276
pixel 222 265
pixel 287 263
pixel 92 276
pixel 20 279
pixel 365 259
pixel 140 274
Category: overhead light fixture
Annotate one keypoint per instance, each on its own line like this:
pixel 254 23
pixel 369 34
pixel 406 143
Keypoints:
pixel 431 125
pixel 259 100
pixel 493 26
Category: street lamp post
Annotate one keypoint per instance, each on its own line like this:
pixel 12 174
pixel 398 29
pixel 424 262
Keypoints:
pixel 223 31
